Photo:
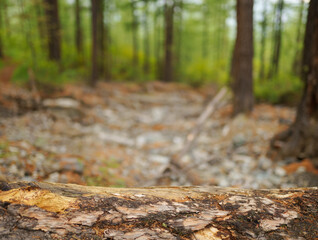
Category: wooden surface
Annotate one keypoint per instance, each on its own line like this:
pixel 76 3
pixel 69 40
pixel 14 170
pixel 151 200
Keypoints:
pixel 66 211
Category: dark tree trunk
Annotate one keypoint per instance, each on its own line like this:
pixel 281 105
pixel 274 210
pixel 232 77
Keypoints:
pixel 146 65
pixel 296 67
pixel 243 59
pixel 68 211
pixel 78 27
pixel 277 39
pixel 53 28
pixel 263 41
pixel 94 4
pixel 301 139
pixel 168 63
pixel 135 59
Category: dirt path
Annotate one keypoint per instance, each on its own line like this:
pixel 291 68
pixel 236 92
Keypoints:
pixel 125 134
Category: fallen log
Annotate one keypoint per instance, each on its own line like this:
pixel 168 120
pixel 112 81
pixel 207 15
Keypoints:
pixel 65 211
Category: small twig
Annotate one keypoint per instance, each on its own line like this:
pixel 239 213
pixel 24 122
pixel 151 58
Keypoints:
pixel 175 161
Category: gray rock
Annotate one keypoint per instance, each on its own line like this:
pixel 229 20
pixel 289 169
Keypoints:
pixel 239 140
pixel 279 171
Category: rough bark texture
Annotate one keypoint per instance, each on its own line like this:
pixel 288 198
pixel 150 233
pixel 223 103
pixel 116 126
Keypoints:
pixel 301 139
pixel 168 64
pixel 61 211
pixel 242 69
pixel 53 28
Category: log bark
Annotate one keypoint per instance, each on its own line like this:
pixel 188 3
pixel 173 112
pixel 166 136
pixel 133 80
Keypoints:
pixel 66 211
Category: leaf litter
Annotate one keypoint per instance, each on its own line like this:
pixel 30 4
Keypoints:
pixel 123 134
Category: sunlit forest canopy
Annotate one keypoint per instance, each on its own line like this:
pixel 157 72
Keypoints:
pixel 133 39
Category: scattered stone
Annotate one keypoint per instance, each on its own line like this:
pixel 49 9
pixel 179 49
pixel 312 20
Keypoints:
pixel 144 130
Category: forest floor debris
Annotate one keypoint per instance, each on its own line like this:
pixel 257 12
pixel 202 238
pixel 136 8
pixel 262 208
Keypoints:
pixel 125 135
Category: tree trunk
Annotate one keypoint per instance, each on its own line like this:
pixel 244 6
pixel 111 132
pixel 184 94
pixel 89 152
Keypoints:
pixel 107 42
pixel 62 211
pixel 296 67
pixel 135 59
pixel 146 65
pixel 263 41
pixel 179 41
pixel 277 39
pixel 41 19
pixel 53 28
pixel 158 45
pixel 100 38
pixel 205 35
pixel 78 28
pixel 301 139
pixel 168 64
pixel 94 4
pixel 243 59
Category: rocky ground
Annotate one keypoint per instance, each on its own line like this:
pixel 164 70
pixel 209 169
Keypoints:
pixel 126 134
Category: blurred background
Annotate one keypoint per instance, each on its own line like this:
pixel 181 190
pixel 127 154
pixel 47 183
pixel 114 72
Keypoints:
pixel 54 40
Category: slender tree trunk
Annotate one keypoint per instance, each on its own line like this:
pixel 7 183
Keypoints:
pixel 100 38
pixel 296 67
pixel 277 39
pixel 243 59
pixel 107 42
pixel 78 27
pixel 158 45
pixel 146 65
pixel 168 64
pixel 301 139
pixel 263 41
pixel 205 34
pixel 179 40
pixel 53 27
pixel 135 59
pixel 40 18
pixel 220 20
pixel 94 76
pixel 27 28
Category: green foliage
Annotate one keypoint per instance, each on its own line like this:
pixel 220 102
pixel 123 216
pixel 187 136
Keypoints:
pixel 283 89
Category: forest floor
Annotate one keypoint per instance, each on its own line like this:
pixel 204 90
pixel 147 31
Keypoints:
pixel 122 134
